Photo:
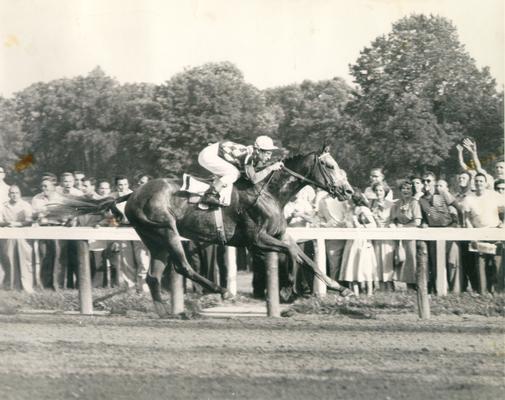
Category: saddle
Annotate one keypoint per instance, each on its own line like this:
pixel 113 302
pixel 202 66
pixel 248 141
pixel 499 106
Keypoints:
pixel 196 187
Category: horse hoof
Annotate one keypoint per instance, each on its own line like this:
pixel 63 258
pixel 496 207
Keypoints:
pixel 347 293
pixel 161 309
pixel 227 295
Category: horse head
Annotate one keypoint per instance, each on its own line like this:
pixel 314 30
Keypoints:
pixel 330 176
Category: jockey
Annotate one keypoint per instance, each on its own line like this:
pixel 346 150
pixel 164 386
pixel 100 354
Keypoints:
pixel 228 160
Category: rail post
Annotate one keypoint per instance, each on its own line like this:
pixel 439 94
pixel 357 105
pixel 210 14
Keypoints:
pixel 176 292
pixel 423 302
pixel 273 303
pixel 441 282
pixel 230 254
pixel 319 286
pixel 85 297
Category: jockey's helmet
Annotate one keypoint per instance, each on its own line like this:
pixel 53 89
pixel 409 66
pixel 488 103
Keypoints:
pixel 265 143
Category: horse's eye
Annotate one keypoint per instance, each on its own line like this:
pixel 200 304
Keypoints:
pixel 331 166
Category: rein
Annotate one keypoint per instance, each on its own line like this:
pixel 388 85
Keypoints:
pixel 298 176
pixel 308 180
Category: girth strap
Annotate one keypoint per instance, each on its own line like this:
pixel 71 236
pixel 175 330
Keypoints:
pixel 218 216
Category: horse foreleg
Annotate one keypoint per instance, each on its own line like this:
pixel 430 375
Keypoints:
pixel 289 246
pixel 330 283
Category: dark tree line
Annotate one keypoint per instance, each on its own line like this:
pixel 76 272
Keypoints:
pixel 417 94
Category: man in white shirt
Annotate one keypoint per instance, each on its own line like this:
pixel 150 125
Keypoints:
pixel 333 214
pixel 67 182
pixel 18 252
pixel 482 211
pixel 49 251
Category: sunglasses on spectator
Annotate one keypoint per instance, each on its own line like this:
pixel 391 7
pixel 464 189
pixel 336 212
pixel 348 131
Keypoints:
pixel 427 180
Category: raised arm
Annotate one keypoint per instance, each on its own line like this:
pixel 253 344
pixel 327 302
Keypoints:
pixel 471 146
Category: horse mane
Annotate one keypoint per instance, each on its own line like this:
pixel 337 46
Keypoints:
pixel 296 159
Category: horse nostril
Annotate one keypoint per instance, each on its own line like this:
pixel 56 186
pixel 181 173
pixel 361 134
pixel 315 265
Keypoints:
pixel 349 192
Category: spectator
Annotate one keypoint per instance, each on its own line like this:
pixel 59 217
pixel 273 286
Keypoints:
pixel 4 196
pixel 482 211
pixel 18 252
pixel 384 249
pixel 49 252
pixel 4 188
pixel 436 213
pixel 406 213
pixel 377 176
pixel 464 186
pixel 88 185
pixel 143 179
pixel 104 189
pixel 78 179
pixel 122 252
pixel 300 213
pixel 50 176
pixel 442 188
pixel 499 170
pixel 417 187
pixel 359 265
pixel 98 260
pixel 68 248
pixel 333 214
pixel 474 166
pixel 499 186
pixel 141 252
pixel 466 259
pixel 67 185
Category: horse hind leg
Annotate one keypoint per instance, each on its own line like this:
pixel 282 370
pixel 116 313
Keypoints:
pixel 153 280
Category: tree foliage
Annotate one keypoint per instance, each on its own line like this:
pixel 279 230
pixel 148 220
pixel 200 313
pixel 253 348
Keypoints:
pixel 420 92
pixel 203 105
pixel 312 114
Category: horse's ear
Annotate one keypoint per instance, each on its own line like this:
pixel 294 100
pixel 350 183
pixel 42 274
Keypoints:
pixel 325 148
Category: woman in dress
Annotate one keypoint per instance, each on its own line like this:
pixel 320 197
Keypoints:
pixel 406 213
pixel 359 266
pixel 384 249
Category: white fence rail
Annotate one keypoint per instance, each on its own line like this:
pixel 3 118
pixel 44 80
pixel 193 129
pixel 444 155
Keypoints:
pixel 320 235
pixel 127 233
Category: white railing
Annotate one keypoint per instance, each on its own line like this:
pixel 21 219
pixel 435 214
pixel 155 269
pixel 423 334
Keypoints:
pixel 127 233
pixel 320 235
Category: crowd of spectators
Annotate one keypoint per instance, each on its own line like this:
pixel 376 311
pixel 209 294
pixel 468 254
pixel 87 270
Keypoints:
pixel 476 199
pixel 27 264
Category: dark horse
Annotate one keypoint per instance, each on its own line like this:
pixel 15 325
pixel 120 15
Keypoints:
pixel 161 214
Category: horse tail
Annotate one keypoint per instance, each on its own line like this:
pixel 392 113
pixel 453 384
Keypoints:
pixel 69 207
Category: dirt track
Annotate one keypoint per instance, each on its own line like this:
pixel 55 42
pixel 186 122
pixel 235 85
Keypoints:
pixel 138 356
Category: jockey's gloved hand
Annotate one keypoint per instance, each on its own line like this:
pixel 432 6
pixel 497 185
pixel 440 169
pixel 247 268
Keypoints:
pixel 276 166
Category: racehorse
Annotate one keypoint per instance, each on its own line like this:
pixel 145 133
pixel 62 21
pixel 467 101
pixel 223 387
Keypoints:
pixel 161 214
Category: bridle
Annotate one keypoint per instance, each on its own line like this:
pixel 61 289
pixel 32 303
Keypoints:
pixel 317 164
pixel 327 186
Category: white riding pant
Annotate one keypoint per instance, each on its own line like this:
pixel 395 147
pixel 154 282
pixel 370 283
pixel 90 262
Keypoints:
pixel 209 159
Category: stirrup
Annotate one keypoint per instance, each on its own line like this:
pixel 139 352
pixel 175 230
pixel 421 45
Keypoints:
pixel 211 197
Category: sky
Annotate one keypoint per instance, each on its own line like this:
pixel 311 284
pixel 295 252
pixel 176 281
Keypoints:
pixel 273 42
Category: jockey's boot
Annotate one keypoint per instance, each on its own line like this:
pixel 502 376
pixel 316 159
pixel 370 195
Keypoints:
pixel 211 197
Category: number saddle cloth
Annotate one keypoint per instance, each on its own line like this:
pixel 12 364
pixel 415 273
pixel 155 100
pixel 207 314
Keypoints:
pixel 196 187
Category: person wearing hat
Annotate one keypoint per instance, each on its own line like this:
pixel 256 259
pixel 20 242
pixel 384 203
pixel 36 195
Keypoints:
pixel 228 161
